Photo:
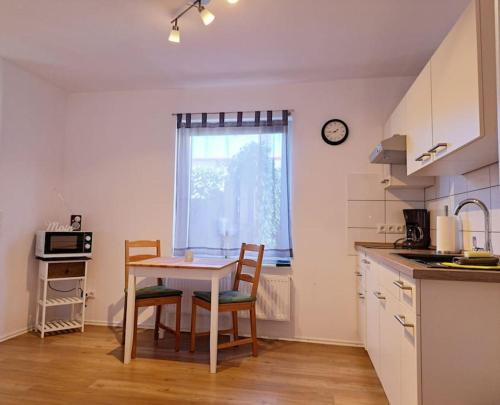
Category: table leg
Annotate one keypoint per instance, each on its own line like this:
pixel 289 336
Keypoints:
pixel 214 324
pixel 164 313
pixel 129 326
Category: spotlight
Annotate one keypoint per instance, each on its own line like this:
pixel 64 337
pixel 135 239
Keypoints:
pixel 232 1
pixel 175 35
pixel 205 15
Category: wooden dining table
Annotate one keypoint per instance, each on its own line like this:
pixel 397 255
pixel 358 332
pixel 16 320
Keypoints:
pixel 210 269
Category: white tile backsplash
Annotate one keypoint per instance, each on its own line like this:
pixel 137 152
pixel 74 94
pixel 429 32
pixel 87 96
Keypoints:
pixel 482 184
pixel 394 210
pixel 471 215
pixel 437 207
pixel 494 175
pixel 365 187
pixel 370 205
pixel 495 209
pixel 478 179
pixel 458 185
pixel 405 194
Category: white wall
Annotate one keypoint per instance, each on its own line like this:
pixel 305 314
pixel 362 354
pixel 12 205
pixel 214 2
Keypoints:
pixel 32 125
pixel 119 173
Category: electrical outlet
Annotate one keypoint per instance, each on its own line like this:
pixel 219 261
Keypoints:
pixel 381 228
pixel 90 293
pixel 395 228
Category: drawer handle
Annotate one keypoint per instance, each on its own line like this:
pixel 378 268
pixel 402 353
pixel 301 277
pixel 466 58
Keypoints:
pixel 379 295
pixel 402 285
pixel 402 320
pixel 361 296
pixel 385 181
pixel 358 274
pixel 423 157
pixel 441 146
pixel 364 261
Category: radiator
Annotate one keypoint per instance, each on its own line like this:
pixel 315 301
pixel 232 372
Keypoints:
pixel 273 295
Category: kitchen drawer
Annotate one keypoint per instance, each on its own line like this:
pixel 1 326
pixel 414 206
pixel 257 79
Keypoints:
pixel 408 291
pixel 387 279
pixel 64 270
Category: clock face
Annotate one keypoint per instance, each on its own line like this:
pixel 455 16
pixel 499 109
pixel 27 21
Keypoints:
pixel 335 132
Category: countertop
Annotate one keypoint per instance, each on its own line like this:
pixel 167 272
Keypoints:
pixel 384 255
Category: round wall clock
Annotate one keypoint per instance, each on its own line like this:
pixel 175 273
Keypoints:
pixel 335 132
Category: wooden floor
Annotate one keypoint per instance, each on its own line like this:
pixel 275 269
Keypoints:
pixel 75 368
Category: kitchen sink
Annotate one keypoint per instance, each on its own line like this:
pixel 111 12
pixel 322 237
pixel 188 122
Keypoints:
pixel 429 258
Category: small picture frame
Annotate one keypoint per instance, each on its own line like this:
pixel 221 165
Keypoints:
pixel 76 222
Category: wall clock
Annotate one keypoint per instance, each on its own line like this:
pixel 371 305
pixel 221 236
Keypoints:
pixel 335 132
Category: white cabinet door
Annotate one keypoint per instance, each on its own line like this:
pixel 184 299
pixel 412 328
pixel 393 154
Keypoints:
pixel 372 329
pixel 409 373
pixel 372 315
pixel 419 122
pixel 362 317
pixel 455 82
pixel 390 346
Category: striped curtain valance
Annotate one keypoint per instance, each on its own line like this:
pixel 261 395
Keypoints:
pixel 235 119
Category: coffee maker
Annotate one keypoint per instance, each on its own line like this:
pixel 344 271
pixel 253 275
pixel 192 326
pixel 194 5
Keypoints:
pixel 418 233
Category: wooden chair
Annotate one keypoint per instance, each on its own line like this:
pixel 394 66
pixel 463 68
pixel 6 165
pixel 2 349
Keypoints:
pixel 157 295
pixel 234 301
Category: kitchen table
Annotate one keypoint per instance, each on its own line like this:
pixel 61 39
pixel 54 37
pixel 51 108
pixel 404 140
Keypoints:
pixel 210 269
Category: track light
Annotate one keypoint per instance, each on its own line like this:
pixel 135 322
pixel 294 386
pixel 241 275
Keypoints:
pixel 206 16
pixel 175 35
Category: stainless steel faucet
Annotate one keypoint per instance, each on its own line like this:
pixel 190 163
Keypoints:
pixel 486 213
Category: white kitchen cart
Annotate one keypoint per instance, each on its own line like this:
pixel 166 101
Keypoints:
pixel 54 271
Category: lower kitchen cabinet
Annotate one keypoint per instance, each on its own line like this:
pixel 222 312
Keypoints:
pixel 390 347
pixel 391 332
pixel 432 341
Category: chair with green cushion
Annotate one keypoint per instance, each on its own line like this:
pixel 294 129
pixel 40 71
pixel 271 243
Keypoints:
pixel 234 300
pixel 157 295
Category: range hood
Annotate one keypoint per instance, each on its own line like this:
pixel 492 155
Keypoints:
pixel 390 151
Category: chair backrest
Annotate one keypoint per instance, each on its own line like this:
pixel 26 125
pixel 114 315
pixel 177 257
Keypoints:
pixel 256 264
pixel 143 244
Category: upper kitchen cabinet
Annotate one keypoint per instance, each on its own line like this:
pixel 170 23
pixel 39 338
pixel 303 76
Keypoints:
pixel 419 122
pixel 460 101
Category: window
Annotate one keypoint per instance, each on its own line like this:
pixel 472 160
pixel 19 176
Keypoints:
pixel 232 184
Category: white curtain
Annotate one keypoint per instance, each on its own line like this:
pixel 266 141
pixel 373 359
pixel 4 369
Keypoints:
pixel 232 186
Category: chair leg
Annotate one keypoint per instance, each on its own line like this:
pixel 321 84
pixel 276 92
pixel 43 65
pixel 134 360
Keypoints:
pixel 235 325
pixel 253 325
pixel 124 320
pixel 157 323
pixel 193 328
pixel 178 325
pixel 134 342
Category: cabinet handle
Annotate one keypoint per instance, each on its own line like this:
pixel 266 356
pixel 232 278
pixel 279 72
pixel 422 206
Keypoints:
pixel 402 320
pixel 441 146
pixel 423 157
pixel 402 285
pixel 379 295
pixel 361 296
pixel 364 261
pixel 358 274
pixel 385 181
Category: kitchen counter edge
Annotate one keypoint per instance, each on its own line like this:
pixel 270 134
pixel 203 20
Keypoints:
pixel 380 253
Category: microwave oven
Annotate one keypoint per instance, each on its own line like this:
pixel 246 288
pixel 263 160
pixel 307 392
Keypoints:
pixel 54 244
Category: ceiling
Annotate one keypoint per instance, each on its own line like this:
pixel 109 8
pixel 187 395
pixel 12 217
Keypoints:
pixel 89 45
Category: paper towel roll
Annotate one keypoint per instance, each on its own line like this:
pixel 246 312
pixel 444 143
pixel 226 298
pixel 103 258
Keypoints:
pixel 446 241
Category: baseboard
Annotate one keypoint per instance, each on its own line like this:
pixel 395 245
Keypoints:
pixel 12 335
pixel 332 342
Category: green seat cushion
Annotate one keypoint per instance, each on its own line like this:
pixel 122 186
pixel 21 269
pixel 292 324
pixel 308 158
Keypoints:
pixel 225 297
pixel 156 291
